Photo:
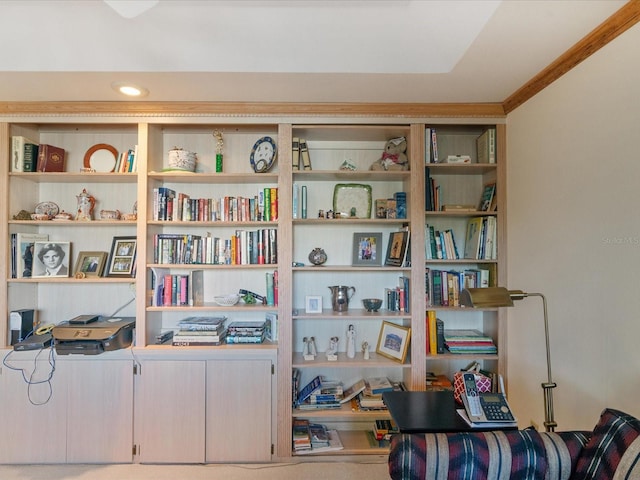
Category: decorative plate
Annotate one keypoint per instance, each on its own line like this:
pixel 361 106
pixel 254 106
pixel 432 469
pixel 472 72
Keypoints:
pixel 47 208
pixel 101 158
pixel 352 200
pixel 263 154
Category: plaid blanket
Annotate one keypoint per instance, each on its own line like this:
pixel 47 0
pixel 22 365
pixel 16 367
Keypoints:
pixel 497 455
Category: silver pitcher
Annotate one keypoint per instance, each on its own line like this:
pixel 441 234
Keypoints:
pixel 340 297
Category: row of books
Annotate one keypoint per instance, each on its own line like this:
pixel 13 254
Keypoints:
pixel 321 393
pixel 485 148
pixel 300 154
pixel 443 287
pixel 176 289
pixel 214 331
pixel 435 334
pixel 480 241
pixel 395 207
pixel 441 244
pixel 171 206
pixel 398 299
pixel 30 156
pixel 244 247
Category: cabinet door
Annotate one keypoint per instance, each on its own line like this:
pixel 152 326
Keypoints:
pixel 170 411
pixel 100 410
pixel 33 413
pixel 238 411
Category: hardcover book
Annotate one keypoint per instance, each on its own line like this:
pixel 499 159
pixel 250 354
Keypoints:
pixel 25 251
pixel 50 158
pixel 20 148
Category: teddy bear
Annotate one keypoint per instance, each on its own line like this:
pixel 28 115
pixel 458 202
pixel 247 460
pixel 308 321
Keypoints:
pixel 393 157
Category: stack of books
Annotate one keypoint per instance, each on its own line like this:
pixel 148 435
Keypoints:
pixel 200 331
pixel 469 341
pixel 246 332
pixel 371 397
pixel 320 394
pixel 438 382
pixel 301 435
pixel 384 428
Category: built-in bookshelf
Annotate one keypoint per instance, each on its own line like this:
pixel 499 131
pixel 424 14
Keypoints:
pixel 464 202
pixel 332 166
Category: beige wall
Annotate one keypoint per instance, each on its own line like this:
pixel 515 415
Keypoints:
pixel 574 235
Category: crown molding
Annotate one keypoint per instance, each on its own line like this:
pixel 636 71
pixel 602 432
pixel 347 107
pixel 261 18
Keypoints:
pixel 611 28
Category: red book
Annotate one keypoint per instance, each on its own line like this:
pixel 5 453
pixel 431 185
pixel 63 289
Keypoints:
pixel 50 158
pixel 167 292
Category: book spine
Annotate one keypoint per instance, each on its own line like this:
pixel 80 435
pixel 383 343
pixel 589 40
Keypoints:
pixel 30 157
pixel 270 293
pixel 304 153
pixel 295 154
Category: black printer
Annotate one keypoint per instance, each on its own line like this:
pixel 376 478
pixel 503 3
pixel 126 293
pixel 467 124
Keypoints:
pixel 103 335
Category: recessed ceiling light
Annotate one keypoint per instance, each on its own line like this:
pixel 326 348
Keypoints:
pixel 130 89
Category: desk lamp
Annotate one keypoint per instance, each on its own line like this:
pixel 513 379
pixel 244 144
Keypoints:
pixel 501 297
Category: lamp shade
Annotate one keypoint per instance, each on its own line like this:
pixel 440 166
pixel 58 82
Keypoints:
pixel 489 297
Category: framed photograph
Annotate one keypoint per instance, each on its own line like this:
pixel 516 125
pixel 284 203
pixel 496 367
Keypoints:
pixel 122 258
pixel 397 248
pixel 393 341
pixel 51 259
pixel 367 249
pixel 313 304
pixel 91 263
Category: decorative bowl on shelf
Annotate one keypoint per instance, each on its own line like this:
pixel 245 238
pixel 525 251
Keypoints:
pixel 372 304
pixel 228 300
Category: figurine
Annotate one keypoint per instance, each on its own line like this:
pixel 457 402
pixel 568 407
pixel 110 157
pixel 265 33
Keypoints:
pixel 333 347
pixel 365 350
pixel 312 346
pixel 351 341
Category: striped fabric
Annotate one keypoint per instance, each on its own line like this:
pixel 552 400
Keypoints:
pixel 613 451
pixel 522 455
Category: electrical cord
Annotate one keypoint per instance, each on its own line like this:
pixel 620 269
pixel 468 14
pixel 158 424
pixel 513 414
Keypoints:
pixel 28 378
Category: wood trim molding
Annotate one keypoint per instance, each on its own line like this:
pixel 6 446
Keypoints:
pixel 615 25
pixel 401 110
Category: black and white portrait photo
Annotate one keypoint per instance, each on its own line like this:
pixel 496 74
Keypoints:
pixel 51 259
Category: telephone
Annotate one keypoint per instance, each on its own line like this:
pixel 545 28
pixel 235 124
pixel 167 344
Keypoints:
pixel 484 406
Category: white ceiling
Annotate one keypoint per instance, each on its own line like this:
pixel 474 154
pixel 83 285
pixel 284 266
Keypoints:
pixel 425 51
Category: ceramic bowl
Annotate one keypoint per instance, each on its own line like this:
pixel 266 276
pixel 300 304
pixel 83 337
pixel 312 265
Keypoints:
pixel 40 216
pixel 372 304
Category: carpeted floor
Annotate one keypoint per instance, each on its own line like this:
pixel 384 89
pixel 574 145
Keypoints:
pixel 272 471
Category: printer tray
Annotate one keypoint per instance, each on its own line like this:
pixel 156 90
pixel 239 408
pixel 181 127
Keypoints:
pixel 82 347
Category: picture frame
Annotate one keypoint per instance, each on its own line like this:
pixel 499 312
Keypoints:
pixel 397 248
pixel 393 341
pixel 91 264
pixel 367 249
pixel 313 304
pixel 122 258
pixel 51 259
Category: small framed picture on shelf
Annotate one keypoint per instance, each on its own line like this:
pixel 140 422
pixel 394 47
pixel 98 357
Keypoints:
pixel 313 304
pixel 393 341
pixel 122 259
pixel 397 248
pixel 51 259
pixel 367 249
pixel 91 264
